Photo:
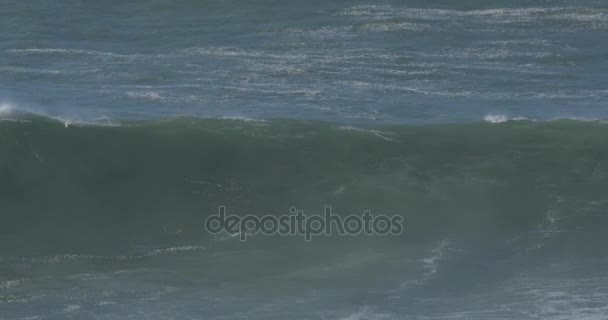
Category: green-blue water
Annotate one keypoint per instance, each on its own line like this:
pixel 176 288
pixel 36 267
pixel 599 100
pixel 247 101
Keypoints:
pixel 503 220
pixel 123 125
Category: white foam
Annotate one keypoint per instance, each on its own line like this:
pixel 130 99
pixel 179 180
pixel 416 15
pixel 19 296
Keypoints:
pixel 48 50
pixel 173 250
pixel 393 26
pixel 366 313
pixel 9 284
pixel 339 190
pixel 244 53
pixel 148 95
pixel 226 236
pixel 63 51
pixel 6 109
pixel 377 133
pixel 547 229
pixel 431 264
pixel 71 308
pixel 497 118
pixel 576 17
pixel 58 259
pixel 30 70
pixel 369 10
pixel 502 118
pixel 564 299
pixel 498 53
pixel 244 119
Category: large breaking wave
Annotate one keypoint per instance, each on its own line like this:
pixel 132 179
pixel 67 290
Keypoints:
pixel 98 205
pixel 516 177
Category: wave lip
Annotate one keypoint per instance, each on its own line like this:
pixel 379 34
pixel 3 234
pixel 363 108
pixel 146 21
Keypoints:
pixel 6 109
pixel 499 118
pixel 491 118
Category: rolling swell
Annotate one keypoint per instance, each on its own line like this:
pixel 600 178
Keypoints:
pixel 534 183
pixel 117 213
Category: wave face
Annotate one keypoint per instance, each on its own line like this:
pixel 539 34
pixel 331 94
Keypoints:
pixel 118 211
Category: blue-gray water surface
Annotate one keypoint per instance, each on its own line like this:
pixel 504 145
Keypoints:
pixel 352 61
pixel 125 124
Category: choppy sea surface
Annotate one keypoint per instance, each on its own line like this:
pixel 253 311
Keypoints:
pixel 374 61
pixel 124 124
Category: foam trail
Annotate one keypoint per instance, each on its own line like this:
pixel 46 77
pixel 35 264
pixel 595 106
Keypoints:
pixel 377 133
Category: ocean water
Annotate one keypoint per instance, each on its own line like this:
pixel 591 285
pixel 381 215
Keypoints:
pixel 125 124
pixel 354 61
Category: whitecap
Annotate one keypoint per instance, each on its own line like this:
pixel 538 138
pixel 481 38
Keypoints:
pixel 148 95
pixel 491 118
pixel 6 109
